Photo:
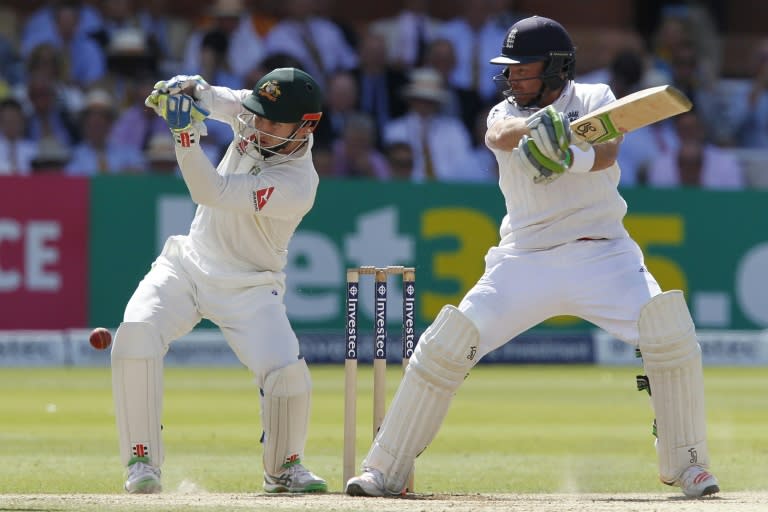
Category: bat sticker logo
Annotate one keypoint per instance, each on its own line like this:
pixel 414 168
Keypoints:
pixel 584 129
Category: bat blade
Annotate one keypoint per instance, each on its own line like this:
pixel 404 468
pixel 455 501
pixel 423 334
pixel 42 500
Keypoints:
pixel 629 113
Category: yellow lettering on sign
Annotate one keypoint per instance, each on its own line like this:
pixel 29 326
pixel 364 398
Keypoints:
pixel 474 233
pixel 652 231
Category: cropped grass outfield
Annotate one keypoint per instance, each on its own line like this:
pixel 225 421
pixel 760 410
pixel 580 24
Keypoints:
pixel 526 429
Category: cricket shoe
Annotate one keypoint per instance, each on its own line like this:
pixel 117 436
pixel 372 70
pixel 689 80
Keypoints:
pixel 295 478
pixel 369 483
pixel 697 482
pixel 143 477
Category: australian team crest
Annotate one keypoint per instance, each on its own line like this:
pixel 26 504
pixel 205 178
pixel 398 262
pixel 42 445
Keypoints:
pixel 270 90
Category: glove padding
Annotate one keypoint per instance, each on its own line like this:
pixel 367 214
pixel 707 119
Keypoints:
pixel 533 162
pixel 551 132
pixel 182 84
pixel 180 111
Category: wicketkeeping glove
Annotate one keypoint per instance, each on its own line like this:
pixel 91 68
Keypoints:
pixel 551 132
pixel 183 114
pixel 532 161
pixel 186 84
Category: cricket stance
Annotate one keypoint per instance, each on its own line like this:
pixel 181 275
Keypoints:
pixel 229 269
pixel 563 251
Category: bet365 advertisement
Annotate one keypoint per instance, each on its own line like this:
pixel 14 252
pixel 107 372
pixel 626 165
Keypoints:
pixel 72 251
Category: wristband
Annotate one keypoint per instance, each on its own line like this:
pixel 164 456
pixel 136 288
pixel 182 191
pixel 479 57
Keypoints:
pixel 582 160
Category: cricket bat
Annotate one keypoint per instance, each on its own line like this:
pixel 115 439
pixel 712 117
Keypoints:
pixel 629 113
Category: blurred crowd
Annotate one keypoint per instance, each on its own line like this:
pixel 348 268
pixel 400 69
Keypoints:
pixel 406 95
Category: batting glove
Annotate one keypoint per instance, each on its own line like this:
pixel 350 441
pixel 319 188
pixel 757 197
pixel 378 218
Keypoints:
pixel 551 132
pixel 533 162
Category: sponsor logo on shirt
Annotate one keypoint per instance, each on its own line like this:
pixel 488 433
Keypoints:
pixel 261 196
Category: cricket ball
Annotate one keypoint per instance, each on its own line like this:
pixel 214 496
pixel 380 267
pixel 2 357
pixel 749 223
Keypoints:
pixel 100 338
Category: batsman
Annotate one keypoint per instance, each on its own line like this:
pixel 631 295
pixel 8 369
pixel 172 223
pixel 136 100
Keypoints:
pixel 563 250
pixel 228 269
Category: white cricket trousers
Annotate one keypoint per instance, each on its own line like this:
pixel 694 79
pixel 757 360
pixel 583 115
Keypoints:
pixel 602 281
pixel 174 297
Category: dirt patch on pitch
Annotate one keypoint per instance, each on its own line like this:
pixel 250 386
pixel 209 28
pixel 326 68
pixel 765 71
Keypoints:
pixel 211 502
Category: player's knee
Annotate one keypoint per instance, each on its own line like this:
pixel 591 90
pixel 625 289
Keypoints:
pixel 137 340
pixel 447 350
pixel 665 328
pixel 290 380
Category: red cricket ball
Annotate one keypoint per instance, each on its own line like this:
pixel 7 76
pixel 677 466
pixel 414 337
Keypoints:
pixel 100 338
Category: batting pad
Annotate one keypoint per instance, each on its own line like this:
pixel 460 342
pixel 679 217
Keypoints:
pixel 443 357
pixel 672 360
pixel 137 388
pixel 285 415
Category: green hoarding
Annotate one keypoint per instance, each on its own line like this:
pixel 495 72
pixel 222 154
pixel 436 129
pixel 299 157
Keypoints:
pixel 710 244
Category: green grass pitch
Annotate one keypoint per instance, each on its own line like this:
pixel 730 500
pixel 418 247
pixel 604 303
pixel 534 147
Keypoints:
pixel 526 429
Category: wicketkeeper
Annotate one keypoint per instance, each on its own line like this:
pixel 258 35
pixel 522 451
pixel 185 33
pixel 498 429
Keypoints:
pixel 228 269
pixel 563 251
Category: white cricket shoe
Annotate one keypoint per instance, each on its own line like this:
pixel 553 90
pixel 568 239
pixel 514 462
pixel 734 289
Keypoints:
pixel 697 482
pixel 369 483
pixel 143 477
pixel 295 478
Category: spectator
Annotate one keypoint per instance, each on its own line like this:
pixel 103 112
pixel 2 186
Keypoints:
pixel 119 15
pixel 51 157
pixel 314 40
pixel 322 156
pixel 751 110
pixel 245 28
pixel 129 58
pixel 626 74
pixel 475 36
pixel 400 159
pixel 707 93
pixel 673 32
pixel 267 64
pixel 46 115
pixel 696 163
pixel 160 154
pixel 16 151
pixel 46 63
pixel 213 66
pixel 461 103
pixel 480 163
pixel 340 103
pixel 408 33
pixel 11 64
pixel 41 26
pixel 84 58
pixel 355 154
pixel 136 125
pixel 379 84
pixel 438 141
pixel 95 154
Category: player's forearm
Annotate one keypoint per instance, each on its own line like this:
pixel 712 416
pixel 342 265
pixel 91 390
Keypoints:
pixel 606 154
pixel 505 134
pixel 204 183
